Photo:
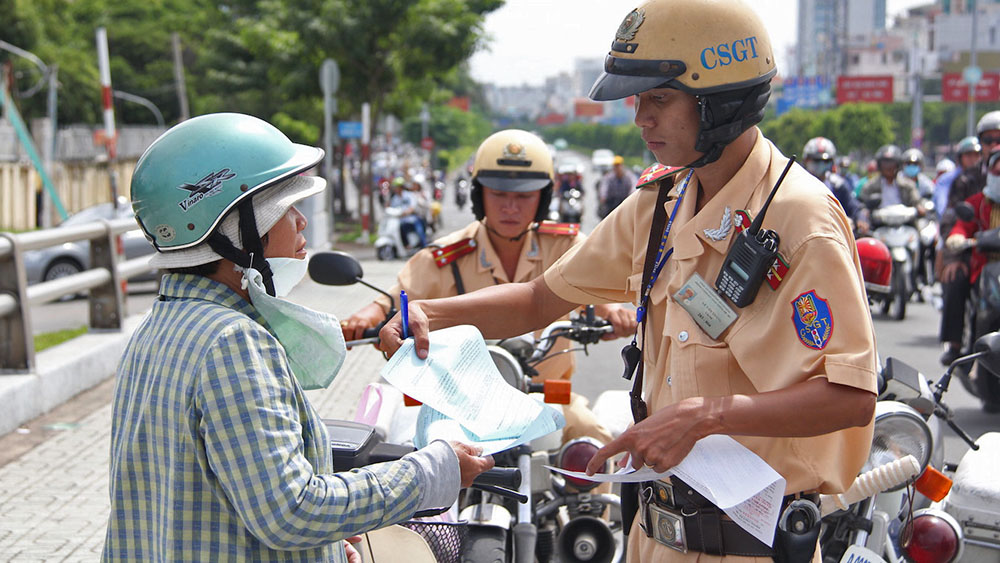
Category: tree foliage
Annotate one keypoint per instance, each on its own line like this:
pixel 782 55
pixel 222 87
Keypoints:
pixel 255 56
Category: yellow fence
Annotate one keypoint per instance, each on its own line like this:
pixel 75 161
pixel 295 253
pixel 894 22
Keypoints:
pixel 79 184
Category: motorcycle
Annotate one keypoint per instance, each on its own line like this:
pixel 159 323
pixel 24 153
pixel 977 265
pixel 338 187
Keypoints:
pixel 555 517
pixel 982 313
pixel 390 243
pixel 881 518
pixel 927 226
pixel 461 191
pixel 895 228
pixel 571 206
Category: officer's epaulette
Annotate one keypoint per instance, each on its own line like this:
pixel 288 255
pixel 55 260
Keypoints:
pixel 565 229
pixel 444 255
pixel 656 173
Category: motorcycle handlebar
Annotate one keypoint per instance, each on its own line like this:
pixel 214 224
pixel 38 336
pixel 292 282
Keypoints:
pixel 506 477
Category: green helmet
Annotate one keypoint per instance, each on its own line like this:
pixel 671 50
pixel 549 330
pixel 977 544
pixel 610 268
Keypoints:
pixel 199 170
pixel 968 144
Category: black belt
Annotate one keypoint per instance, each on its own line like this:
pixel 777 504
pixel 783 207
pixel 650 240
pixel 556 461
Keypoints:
pixel 685 520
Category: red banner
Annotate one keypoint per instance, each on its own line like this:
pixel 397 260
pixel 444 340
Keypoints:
pixel 551 119
pixel 955 89
pixel 852 89
pixel 587 108
pixel 460 102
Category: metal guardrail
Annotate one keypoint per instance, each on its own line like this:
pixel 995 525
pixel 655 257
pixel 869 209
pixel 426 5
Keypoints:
pixel 104 280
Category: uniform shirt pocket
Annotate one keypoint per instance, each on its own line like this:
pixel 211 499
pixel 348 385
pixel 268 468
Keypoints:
pixel 699 366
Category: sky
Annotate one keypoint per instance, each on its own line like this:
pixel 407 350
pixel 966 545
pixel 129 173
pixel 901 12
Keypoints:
pixel 531 40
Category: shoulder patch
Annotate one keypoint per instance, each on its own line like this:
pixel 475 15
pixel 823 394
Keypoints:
pixel 444 255
pixel 563 229
pixel 813 319
pixel 655 173
pixel 776 274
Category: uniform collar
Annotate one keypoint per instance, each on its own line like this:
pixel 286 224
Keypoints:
pixel 487 259
pixel 734 195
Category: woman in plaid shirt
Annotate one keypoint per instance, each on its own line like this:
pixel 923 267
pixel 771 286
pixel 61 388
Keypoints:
pixel 216 454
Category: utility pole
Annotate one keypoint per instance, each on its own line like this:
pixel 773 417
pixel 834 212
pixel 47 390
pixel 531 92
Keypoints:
pixel 182 100
pixel 110 138
pixel 972 74
pixel 917 117
pixel 367 201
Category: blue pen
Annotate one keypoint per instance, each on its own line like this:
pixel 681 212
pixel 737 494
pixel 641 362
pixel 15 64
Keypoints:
pixel 404 306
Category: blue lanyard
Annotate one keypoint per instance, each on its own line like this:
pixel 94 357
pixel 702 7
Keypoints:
pixel 661 256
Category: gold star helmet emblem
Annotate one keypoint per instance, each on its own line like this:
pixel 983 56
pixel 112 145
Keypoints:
pixel 514 151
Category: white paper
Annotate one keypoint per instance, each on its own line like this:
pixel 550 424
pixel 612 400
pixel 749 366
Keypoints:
pixel 725 472
pixel 466 397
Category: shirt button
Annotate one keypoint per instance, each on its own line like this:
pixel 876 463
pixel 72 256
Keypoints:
pixel 683 336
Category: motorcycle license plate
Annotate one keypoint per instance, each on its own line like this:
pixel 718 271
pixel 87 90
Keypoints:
pixel 858 554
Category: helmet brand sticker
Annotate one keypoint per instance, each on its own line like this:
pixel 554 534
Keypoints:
pixel 630 25
pixel 206 187
pixel 165 232
pixel 813 319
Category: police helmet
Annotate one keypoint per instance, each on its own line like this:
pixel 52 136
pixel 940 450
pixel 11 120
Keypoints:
pixel 512 160
pixel 716 50
pixel 210 187
pixel 913 156
pixel 968 144
pixel 819 148
pixel 988 122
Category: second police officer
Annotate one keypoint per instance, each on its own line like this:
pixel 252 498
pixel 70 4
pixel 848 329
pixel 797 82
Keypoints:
pixel 790 375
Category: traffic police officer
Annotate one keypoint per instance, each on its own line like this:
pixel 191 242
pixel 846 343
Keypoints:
pixel 791 375
pixel 512 181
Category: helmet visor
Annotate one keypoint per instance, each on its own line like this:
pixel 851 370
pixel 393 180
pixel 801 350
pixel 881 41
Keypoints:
pixel 626 77
pixel 506 181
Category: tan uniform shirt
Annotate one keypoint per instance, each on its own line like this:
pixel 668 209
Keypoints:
pixel 422 278
pixel 762 350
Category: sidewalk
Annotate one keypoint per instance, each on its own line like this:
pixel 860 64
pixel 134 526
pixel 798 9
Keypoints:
pixel 54 478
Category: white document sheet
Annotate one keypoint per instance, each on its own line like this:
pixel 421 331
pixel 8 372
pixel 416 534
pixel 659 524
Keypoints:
pixel 466 398
pixel 725 472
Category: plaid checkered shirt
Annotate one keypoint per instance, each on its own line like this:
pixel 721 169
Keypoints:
pixel 216 455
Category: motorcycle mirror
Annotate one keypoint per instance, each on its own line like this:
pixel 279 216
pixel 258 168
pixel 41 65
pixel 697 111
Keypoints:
pixel 989 342
pixel 965 212
pixel 335 268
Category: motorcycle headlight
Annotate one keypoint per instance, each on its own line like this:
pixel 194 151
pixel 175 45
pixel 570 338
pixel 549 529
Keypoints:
pixel 575 455
pixel 899 431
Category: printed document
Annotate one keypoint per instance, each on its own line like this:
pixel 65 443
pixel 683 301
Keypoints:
pixel 725 472
pixel 464 396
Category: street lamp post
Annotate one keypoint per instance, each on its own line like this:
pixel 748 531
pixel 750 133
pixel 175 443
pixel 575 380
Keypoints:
pixel 142 102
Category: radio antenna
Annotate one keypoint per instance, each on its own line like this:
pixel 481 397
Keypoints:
pixel 755 226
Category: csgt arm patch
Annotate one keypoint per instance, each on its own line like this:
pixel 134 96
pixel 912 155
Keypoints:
pixel 813 319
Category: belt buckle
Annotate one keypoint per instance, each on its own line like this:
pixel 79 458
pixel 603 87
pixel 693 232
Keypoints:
pixel 667 527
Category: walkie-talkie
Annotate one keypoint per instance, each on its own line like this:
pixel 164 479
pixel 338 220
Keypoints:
pixel 751 256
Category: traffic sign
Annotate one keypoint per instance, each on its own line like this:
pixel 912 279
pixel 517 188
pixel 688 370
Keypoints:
pixel 349 129
pixel 972 74
pixel 329 76
pixel 427 143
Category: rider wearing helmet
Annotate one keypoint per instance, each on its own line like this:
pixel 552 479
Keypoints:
pixel 818 158
pixel 408 201
pixel 214 446
pixel 512 179
pixel 700 71
pixel 913 168
pixel 890 187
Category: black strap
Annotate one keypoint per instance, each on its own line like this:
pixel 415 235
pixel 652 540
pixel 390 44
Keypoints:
pixel 251 245
pixel 459 286
pixel 639 409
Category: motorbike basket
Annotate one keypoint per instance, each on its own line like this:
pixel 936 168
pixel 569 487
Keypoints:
pixel 444 538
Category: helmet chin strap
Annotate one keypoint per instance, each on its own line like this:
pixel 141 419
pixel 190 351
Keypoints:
pixel 533 225
pixel 251 241
pixel 724 117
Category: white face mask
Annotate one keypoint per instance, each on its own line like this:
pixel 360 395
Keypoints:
pixel 313 341
pixel 286 273
pixel 992 189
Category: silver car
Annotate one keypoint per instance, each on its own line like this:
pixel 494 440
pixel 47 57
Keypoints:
pixel 73 257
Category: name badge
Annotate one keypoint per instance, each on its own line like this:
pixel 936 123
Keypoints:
pixel 705 306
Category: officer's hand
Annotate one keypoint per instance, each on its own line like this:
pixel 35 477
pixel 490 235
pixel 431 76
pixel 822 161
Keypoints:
pixel 352 554
pixel 391 335
pixel 951 271
pixel 621 319
pixel 367 317
pixel 470 463
pixel 661 441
